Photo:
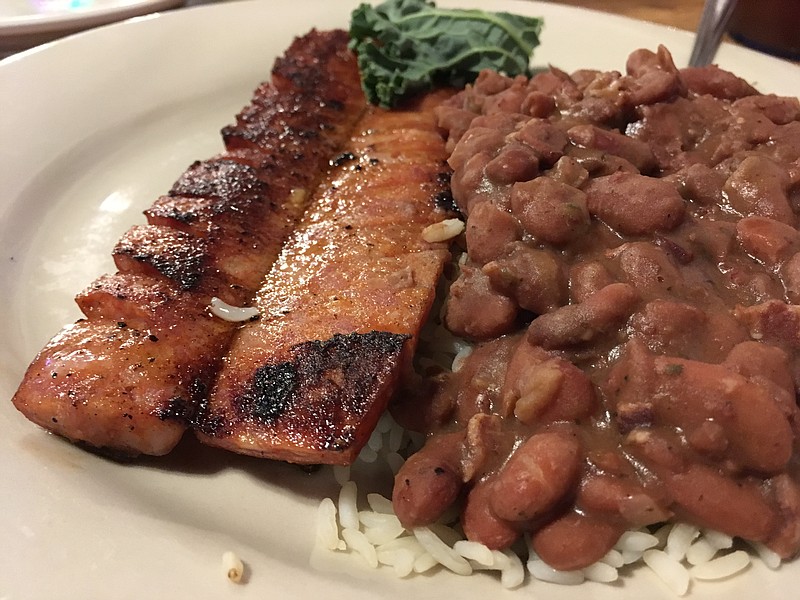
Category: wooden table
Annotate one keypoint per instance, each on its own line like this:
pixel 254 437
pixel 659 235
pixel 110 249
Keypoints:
pixel 684 14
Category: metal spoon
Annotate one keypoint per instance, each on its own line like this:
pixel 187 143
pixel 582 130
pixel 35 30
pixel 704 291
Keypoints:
pixel 713 21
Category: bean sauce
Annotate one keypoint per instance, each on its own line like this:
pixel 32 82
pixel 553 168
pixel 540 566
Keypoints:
pixel 629 280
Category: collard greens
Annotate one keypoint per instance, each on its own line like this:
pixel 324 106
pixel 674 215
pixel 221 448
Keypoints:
pixel 408 46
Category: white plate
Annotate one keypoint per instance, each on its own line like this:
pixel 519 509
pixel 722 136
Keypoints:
pixel 25 23
pixel 92 129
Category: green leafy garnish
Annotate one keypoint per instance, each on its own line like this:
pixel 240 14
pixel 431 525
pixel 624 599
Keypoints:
pixel 409 46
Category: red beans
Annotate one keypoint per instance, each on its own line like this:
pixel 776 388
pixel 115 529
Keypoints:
pixel 632 241
pixel 579 323
pixel 549 210
pixel 515 162
pixel 785 539
pixel 534 278
pixel 713 500
pixel 574 541
pixel 490 230
pixel 537 476
pixel 481 524
pixel 634 151
pixel 767 240
pixel 497 317
pixel 540 387
pixel 634 204
pixel 717 82
pixel 686 394
pixel 758 187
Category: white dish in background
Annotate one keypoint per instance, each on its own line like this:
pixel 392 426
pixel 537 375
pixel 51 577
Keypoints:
pixel 92 129
pixel 26 23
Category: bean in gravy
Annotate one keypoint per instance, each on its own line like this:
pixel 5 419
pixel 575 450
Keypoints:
pixel 631 278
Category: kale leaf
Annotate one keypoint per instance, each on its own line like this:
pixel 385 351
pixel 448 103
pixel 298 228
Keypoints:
pixel 409 46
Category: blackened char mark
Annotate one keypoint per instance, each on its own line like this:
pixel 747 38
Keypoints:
pixel 299 67
pixel 295 127
pixel 320 395
pixel 151 249
pixel 183 409
pixel 228 180
pixel 444 199
pixel 212 196
pixel 299 113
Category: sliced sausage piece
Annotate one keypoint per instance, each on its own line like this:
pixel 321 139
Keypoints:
pixel 429 481
pixel 634 204
pixel 539 474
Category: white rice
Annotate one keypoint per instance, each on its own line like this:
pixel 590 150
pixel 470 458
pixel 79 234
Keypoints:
pixel 722 567
pixel 669 569
pixel 443 231
pixel 228 312
pixel 232 567
pixel 365 526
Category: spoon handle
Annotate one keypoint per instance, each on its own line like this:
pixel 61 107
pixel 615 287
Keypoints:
pixel 713 21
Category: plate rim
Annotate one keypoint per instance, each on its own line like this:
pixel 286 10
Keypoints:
pixel 45 53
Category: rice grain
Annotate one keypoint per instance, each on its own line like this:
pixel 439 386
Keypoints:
pixel 668 569
pixel 443 553
pixel 443 230
pixel 475 551
pixel 722 567
pixel 358 542
pixel 327 528
pixel 679 539
pixel 380 504
pixel 701 551
pixel 348 508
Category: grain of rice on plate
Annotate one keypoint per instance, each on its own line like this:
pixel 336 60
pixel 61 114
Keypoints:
pixel 611 379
